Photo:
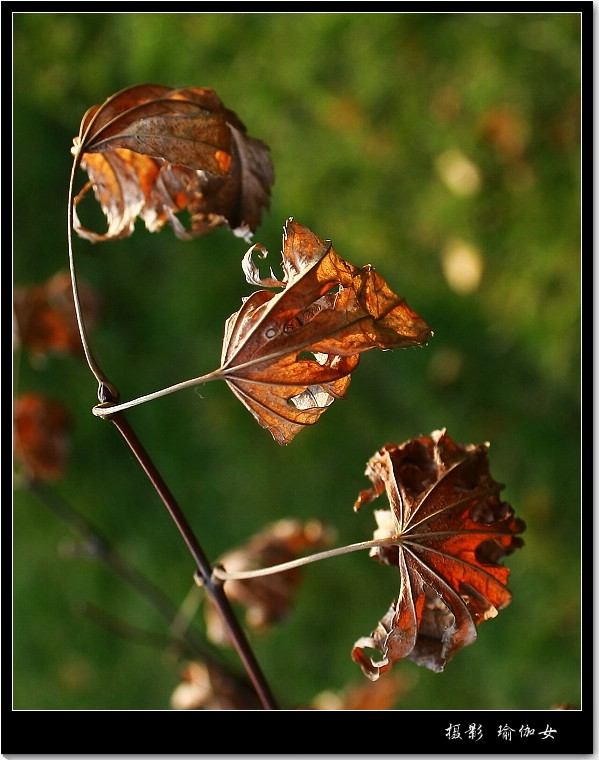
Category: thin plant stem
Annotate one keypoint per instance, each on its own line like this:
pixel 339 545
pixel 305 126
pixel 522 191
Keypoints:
pixel 108 394
pixel 186 612
pixel 106 390
pixel 107 409
pixel 214 587
pixel 240 575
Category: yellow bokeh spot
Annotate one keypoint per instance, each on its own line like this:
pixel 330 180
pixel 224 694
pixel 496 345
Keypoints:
pixel 458 172
pixel 462 266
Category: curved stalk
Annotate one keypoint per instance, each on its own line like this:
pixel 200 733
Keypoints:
pixel 240 575
pixel 106 390
pixel 108 409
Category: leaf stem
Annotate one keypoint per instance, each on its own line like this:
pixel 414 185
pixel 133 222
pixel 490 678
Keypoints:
pixel 221 573
pixel 108 409
pixel 106 390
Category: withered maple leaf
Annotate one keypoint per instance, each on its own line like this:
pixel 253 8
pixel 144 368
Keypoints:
pixel 268 598
pixel 41 436
pixel 151 151
pixel 287 356
pixel 448 532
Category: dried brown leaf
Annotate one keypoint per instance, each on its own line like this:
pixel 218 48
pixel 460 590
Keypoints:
pixel 41 436
pixel 151 151
pixel 288 356
pixel 45 315
pixel 448 533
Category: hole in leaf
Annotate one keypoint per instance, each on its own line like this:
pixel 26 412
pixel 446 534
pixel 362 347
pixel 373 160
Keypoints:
pixel 306 355
pixel 314 397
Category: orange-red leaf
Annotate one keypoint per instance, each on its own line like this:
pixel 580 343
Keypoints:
pixel 267 598
pixel 448 533
pixel 45 315
pixel 153 151
pixel 287 356
pixel 41 436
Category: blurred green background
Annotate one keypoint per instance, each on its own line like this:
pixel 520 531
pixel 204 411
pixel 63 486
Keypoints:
pixel 442 148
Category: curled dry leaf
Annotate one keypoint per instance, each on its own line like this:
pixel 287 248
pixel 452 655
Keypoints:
pixel 448 533
pixel 288 356
pixel 45 315
pixel 151 151
pixel 41 436
pixel 267 599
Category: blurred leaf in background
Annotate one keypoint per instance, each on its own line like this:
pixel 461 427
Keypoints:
pixel 442 148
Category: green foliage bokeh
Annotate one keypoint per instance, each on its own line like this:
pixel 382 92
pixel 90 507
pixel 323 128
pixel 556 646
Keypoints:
pixel 363 114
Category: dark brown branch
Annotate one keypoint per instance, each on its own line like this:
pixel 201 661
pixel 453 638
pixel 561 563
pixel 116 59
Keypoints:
pixel 213 586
